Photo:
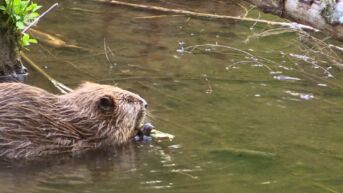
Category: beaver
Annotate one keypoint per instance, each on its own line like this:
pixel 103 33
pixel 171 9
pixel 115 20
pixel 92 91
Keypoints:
pixel 36 123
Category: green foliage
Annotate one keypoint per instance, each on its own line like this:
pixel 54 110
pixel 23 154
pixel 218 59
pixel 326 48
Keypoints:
pixel 21 13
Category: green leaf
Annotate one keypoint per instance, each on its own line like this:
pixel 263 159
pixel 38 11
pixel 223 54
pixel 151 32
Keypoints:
pixel 26 37
pixel 20 25
pixel 17 17
pixel 36 8
pixel 34 41
pixel 31 16
pixel 25 40
pixel 33 7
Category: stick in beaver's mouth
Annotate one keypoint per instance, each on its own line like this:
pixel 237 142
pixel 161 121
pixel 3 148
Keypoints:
pixel 147 132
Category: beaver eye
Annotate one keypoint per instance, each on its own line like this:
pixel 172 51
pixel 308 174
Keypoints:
pixel 106 103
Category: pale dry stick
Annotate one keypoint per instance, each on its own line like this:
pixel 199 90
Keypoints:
pixel 274 31
pixel 111 52
pixel 245 9
pixel 251 8
pixel 336 47
pixel 270 32
pixel 158 16
pixel 60 86
pixel 208 15
pixel 255 23
pixel 186 174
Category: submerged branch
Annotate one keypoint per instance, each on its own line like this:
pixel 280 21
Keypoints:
pixel 52 40
pixel 207 15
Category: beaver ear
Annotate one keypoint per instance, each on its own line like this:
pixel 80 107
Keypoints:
pixel 106 103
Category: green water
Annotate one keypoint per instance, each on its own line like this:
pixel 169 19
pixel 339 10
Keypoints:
pixel 214 100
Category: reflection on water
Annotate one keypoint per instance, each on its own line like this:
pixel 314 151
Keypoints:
pixel 249 114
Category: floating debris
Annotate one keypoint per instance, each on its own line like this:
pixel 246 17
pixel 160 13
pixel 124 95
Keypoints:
pixel 268 182
pixel 322 84
pixel 304 96
pixel 161 135
pixel 152 182
pixel 176 146
pixel 182 48
pixel 283 78
pixel 275 72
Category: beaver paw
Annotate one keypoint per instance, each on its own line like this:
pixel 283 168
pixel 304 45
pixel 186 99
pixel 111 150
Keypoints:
pixel 144 133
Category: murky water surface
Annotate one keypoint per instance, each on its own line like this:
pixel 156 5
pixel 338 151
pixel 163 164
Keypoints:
pixel 250 114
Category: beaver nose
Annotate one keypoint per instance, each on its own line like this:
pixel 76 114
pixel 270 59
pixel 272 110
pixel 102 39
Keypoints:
pixel 145 104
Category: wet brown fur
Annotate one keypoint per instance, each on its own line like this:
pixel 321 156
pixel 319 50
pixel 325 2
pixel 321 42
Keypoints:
pixel 35 123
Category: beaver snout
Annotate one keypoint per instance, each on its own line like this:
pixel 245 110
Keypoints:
pixel 145 104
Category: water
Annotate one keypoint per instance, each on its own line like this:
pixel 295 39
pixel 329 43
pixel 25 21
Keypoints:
pixel 274 97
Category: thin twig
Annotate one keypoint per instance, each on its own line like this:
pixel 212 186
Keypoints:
pixel 246 152
pixel 106 54
pixel 158 16
pixel 186 174
pixel 38 18
pixel 336 47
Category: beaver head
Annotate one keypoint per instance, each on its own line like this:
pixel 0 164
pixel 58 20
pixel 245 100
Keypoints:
pixel 110 115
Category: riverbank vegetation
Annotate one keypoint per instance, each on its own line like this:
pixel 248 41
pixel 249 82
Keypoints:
pixel 15 16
